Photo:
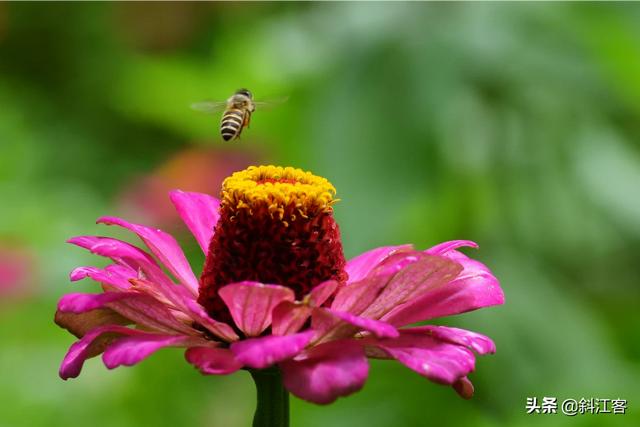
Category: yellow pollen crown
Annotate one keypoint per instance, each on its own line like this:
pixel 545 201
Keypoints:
pixel 280 189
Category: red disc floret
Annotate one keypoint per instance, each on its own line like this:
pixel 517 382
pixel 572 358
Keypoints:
pixel 297 251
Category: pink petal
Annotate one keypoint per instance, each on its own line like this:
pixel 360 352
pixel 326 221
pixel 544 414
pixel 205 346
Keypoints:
pixel 124 254
pixel 219 329
pixel 328 371
pixel 263 352
pixel 81 323
pixel 426 273
pixel 91 344
pixel 322 293
pixel 333 324
pixel 445 247
pixel 185 302
pixel 474 288
pixel 212 361
pixel 164 247
pixel 123 277
pixel 128 351
pixel 479 343
pixel 359 267
pixel 199 212
pixel 140 308
pixel 81 303
pixel 251 304
pixel 356 297
pixel 471 266
pixel 114 275
pixel 289 317
pixel 397 261
pixel 148 312
pixel 464 388
pixel 439 361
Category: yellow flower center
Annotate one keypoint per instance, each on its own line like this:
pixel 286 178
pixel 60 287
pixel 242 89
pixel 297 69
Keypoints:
pixel 285 192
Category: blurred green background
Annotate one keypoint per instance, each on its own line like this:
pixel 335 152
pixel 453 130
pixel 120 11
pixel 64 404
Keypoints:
pixel 514 125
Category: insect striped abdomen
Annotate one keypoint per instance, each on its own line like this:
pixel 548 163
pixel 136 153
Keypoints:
pixel 232 123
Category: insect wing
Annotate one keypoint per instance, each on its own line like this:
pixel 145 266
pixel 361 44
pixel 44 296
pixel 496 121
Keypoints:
pixel 270 103
pixel 209 106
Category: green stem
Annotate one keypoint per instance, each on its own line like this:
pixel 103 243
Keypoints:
pixel 273 399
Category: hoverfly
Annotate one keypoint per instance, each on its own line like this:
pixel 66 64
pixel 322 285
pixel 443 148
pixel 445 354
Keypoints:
pixel 237 112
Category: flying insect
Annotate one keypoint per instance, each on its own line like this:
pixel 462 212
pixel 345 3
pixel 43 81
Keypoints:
pixel 237 112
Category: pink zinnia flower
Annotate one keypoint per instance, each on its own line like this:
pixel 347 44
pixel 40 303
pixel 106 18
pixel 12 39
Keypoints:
pixel 277 291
